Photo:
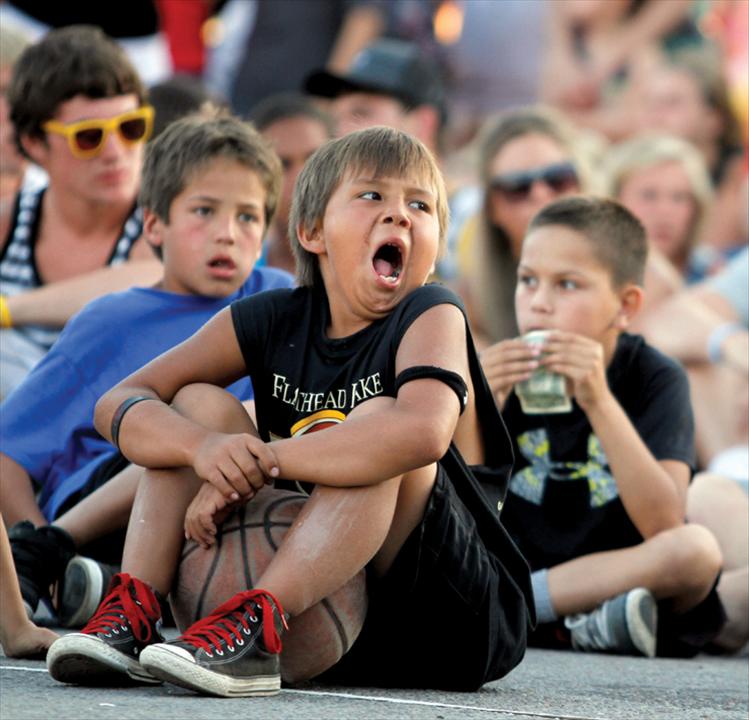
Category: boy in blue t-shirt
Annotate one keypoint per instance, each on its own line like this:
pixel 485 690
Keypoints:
pixel 209 190
pixel 597 499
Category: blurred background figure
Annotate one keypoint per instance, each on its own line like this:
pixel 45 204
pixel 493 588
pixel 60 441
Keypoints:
pixel 134 25
pixel 295 127
pixel 687 96
pixel 177 96
pixel 528 157
pixel 664 181
pixel 266 47
pixel 597 51
pixel 12 163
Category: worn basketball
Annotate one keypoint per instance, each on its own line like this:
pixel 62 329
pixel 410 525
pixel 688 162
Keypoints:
pixel 246 542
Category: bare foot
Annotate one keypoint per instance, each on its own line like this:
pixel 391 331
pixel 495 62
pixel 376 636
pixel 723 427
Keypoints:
pixel 29 641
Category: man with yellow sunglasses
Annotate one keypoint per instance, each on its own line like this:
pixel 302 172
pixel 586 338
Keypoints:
pixel 79 112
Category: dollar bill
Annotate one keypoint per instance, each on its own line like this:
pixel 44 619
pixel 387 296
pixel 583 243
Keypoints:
pixel 544 392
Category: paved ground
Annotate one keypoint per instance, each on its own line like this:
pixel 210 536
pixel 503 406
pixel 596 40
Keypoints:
pixel 564 685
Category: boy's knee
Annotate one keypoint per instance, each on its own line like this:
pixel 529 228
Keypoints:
pixel 212 407
pixel 692 556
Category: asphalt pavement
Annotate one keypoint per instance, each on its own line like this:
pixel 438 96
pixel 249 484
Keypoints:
pixel 548 684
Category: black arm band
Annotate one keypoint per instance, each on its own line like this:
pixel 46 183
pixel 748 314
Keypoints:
pixel 451 379
pixel 119 413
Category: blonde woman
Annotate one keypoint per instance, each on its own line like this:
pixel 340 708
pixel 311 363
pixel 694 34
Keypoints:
pixel 664 182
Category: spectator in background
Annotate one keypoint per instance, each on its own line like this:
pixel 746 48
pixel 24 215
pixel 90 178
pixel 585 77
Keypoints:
pixel 663 180
pixel 134 25
pixel 706 328
pixel 269 46
pixel 388 83
pixel 528 157
pixel 598 50
pixel 687 96
pixel 295 127
pixel 78 111
pixel 177 96
pixel 13 164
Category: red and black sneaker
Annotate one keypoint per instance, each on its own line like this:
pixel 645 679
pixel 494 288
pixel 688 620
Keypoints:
pixel 106 651
pixel 234 652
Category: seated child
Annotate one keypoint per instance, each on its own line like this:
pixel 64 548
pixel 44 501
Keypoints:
pixel 391 364
pixel 598 494
pixel 210 187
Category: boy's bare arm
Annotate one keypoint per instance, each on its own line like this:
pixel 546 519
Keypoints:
pixel 153 434
pixel 653 492
pixel 56 303
pixel 412 432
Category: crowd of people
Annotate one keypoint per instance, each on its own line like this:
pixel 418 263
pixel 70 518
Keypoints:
pixel 567 257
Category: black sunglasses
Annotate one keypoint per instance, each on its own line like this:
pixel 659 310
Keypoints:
pixel 560 177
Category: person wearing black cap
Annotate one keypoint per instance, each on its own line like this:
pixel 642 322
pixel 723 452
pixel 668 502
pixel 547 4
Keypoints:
pixel 389 83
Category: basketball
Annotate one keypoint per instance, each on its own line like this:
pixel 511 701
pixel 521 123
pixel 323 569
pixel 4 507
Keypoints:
pixel 245 544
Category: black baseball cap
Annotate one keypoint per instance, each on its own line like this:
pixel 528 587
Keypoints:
pixel 387 67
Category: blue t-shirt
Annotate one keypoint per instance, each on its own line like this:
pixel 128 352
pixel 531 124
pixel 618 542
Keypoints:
pixel 46 424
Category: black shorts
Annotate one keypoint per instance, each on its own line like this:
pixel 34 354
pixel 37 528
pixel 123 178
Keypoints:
pixel 448 614
pixel 107 549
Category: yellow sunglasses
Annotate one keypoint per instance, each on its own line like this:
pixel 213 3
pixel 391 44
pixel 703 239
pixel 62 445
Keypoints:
pixel 86 138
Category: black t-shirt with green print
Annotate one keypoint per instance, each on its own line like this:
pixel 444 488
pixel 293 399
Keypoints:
pixel 563 501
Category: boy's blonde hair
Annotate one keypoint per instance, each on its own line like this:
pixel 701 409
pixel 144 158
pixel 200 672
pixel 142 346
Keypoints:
pixel 381 151
pixel 187 145
pixel 650 150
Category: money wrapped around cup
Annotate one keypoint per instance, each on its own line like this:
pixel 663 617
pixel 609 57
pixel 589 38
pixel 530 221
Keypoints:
pixel 544 392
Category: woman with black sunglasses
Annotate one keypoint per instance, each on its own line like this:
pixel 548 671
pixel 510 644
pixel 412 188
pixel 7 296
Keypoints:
pixel 528 157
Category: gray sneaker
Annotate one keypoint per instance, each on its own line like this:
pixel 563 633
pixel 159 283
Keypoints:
pixel 83 588
pixel 626 625
pixel 234 652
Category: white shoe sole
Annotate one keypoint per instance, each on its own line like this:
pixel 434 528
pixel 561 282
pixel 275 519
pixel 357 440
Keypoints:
pixel 86 660
pixel 173 665
pixel 642 632
pixel 86 607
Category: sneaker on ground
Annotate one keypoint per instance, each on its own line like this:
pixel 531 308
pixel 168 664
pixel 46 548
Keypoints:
pixel 40 555
pixel 106 651
pixel 83 588
pixel 233 652
pixel 626 625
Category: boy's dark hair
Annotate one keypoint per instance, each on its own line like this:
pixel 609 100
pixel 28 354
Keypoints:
pixel 69 61
pixel 289 105
pixel 187 145
pixel 616 236
pixel 381 151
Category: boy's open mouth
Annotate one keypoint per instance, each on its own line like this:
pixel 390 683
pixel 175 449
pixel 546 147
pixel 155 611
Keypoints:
pixel 222 262
pixel 388 262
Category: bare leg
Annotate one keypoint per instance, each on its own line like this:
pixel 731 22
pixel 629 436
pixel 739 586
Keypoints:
pixel 681 564
pixel 17 501
pixel 155 533
pixel 18 635
pixel 105 510
pixel 722 506
pixel 340 530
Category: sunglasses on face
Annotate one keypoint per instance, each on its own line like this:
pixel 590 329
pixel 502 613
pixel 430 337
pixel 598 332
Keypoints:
pixel 515 186
pixel 86 138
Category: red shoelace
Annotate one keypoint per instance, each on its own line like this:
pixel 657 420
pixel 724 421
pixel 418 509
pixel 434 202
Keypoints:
pixel 227 621
pixel 128 597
